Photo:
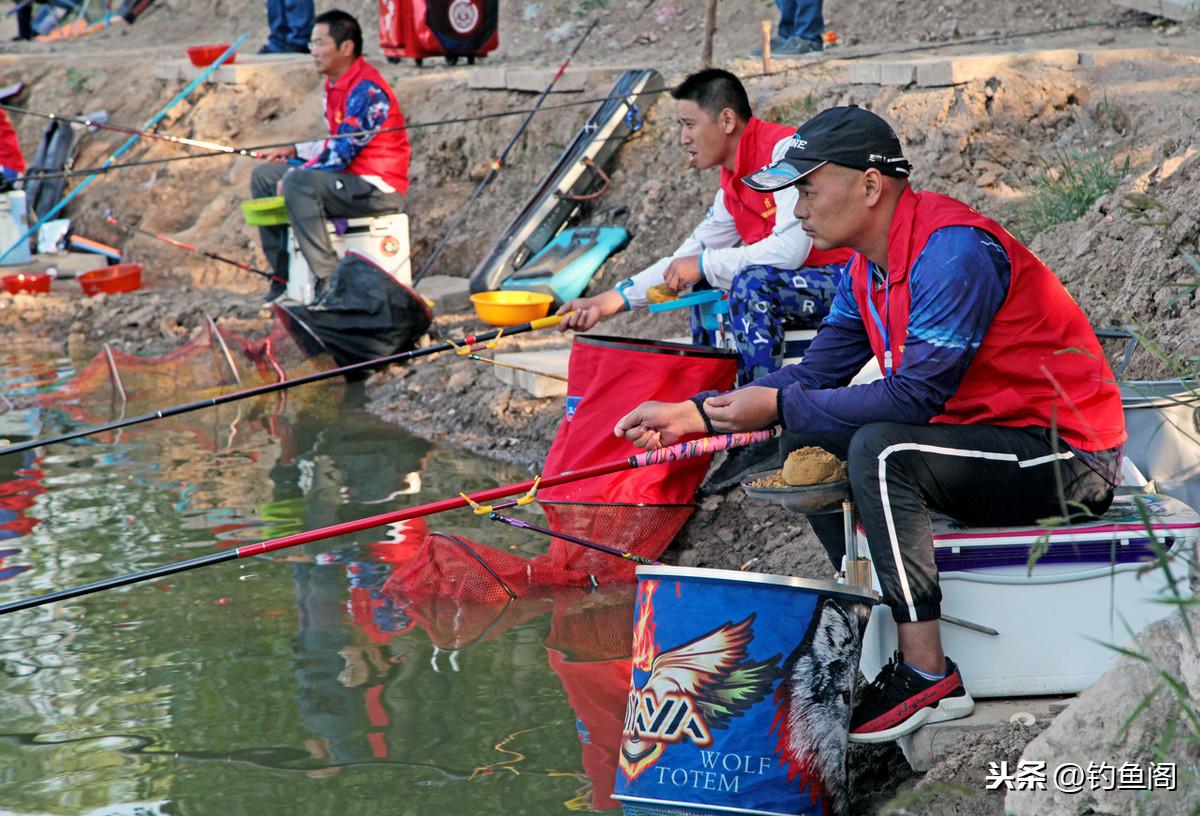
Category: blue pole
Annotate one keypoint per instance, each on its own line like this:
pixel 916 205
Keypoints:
pixel 158 117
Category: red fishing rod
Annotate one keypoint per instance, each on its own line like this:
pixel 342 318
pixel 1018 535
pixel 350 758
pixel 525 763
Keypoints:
pixel 463 346
pixel 166 239
pixel 682 450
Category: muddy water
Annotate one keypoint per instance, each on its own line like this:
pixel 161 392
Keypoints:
pixel 288 684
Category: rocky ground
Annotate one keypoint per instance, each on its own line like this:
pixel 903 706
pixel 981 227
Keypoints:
pixel 1128 259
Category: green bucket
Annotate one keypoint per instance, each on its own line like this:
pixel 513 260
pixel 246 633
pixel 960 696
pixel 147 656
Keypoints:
pixel 265 212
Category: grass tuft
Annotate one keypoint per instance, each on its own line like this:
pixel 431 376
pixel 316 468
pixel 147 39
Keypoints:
pixel 1065 190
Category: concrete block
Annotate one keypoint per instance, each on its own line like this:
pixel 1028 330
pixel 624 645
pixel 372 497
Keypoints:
pixel 1103 57
pixel 488 78
pixel 238 73
pixel 926 746
pixel 1171 9
pixel 957 70
pixel 68 264
pixel 863 73
pixel 447 293
pixel 552 361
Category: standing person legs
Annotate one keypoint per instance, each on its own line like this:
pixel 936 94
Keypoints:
pixel 765 299
pixel 291 23
pixel 315 195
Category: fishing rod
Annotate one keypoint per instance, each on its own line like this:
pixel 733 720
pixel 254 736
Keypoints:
pixel 582 542
pixel 216 147
pixel 270 388
pixel 110 218
pixel 513 367
pixel 154 120
pixel 498 163
pixel 682 450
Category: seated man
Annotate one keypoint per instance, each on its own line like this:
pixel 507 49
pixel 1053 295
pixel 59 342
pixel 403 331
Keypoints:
pixel 996 406
pixel 346 177
pixel 749 244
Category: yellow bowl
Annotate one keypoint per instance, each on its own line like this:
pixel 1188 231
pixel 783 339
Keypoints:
pixel 265 212
pixel 511 307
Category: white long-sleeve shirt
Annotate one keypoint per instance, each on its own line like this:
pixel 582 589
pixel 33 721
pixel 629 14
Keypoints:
pixel 722 254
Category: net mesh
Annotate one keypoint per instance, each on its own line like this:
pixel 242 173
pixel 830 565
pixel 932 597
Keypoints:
pixel 213 362
pixel 465 571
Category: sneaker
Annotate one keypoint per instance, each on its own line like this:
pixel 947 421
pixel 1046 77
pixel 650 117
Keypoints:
pixel 900 701
pixel 322 292
pixel 796 47
pixel 740 463
pixel 278 290
pixel 777 42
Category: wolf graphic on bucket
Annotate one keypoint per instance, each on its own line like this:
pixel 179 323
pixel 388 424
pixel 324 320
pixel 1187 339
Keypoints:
pixel 740 694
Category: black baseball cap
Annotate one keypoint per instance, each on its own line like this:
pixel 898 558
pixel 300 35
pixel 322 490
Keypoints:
pixel 849 136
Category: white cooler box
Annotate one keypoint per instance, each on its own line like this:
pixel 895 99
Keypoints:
pixel 382 238
pixel 1091 583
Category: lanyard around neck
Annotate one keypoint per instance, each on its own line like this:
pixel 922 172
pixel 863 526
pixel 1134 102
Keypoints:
pixel 882 325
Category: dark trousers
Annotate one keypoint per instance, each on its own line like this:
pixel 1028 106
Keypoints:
pixel 801 19
pixel 311 197
pixel 291 23
pixel 982 475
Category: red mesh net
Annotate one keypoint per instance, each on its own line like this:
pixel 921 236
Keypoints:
pixel 214 361
pixel 461 570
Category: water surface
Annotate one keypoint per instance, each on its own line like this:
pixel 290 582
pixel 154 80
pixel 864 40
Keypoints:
pixel 286 684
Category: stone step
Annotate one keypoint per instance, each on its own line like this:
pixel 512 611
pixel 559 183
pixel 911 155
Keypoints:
pixel 448 294
pixel 246 67
pixel 926 746
pixel 548 361
pixel 535 80
pixel 1104 57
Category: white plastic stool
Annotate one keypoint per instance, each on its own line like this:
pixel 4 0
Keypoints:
pixel 382 238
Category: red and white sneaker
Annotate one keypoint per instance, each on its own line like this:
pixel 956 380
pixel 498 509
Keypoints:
pixel 900 701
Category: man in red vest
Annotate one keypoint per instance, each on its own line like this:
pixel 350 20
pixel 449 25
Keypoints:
pixel 12 162
pixel 347 177
pixel 996 406
pixel 749 244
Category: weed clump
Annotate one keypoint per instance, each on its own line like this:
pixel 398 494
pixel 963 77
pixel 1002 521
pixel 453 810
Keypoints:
pixel 1065 190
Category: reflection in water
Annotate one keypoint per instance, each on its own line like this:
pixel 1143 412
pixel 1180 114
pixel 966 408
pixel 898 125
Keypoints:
pixel 291 682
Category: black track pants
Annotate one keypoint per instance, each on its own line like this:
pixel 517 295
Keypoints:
pixel 982 475
pixel 311 197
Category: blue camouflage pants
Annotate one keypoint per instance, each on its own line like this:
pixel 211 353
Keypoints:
pixel 763 302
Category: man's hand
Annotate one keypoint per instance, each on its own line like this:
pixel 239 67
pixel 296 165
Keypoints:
pixel 590 310
pixel 748 409
pixel 279 155
pixel 682 273
pixel 657 424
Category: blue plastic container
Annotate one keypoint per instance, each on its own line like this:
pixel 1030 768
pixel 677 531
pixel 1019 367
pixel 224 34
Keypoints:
pixel 740 695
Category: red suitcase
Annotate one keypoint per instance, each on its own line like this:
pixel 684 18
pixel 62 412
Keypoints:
pixel 416 29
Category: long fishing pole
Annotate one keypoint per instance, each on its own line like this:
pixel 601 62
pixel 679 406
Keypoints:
pixel 270 388
pixel 216 147
pixel 110 218
pixel 154 120
pixel 682 450
pixel 498 163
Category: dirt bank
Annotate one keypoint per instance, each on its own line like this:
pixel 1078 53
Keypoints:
pixel 988 142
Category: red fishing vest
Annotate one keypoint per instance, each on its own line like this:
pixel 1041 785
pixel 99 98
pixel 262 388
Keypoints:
pixel 1040 363
pixel 386 155
pixel 10 147
pixel 754 212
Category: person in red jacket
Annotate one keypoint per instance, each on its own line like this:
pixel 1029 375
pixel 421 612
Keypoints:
pixel 749 244
pixel 12 161
pixel 347 176
pixel 996 406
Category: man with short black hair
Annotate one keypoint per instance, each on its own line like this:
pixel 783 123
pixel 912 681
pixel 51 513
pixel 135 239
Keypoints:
pixel 355 173
pixel 749 244
pixel 996 406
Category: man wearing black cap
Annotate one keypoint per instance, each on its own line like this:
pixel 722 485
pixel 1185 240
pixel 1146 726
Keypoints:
pixel 996 406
